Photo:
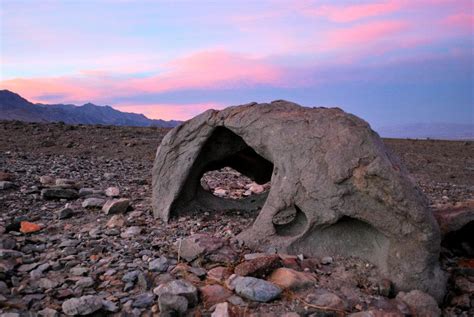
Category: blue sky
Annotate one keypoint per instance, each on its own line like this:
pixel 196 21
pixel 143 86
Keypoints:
pixel 390 62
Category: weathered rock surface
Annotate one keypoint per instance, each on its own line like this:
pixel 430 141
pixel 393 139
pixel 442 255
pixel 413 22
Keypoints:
pixel 351 196
pixel 116 206
pixel 420 303
pixel 82 306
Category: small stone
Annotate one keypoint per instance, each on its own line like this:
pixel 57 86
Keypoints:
pixel 29 227
pixel 48 312
pixel 59 193
pixel 158 265
pixel 214 294
pixel 220 192
pixel 222 310
pixel 6 185
pixel 93 202
pixel 46 283
pixel 219 274
pixel 326 260
pixel 172 303
pixel 256 188
pixel 256 289
pixel 327 299
pixel 131 232
pixel 181 288
pixel 78 271
pixel 143 300
pixel 4 288
pixel 38 272
pixel 116 221
pixel 47 180
pixel 420 303
pixel 109 306
pixel 291 279
pixel 85 282
pixel 66 183
pixel 112 192
pixel 130 277
pixel 82 306
pixel 258 267
pixel 65 213
pixel 116 206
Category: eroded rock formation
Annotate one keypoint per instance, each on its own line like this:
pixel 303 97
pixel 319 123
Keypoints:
pixel 335 188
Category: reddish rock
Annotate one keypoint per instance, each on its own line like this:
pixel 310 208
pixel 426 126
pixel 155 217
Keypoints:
pixel 291 263
pixel 290 279
pixel 258 267
pixel 219 274
pixel 29 227
pixel 214 294
pixel 4 176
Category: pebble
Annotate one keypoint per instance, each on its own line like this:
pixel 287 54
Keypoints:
pixel 158 265
pixel 256 289
pixel 222 310
pixel 180 288
pixel 112 192
pixel 172 303
pixel 82 306
pixel 116 206
pixel 6 185
pixel 93 202
pixel 326 260
pixel 291 279
pixel 65 213
pixel 48 312
pixel 59 193
pixel 420 303
pixel 131 232
pixel 143 300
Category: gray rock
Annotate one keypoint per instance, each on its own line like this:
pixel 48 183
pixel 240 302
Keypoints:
pixel 222 310
pixel 59 193
pixel 172 303
pixel 420 303
pixel 7 253
pixel 4 290
pixel 48 312
pixel 143 300
pixel 116 206
pixel 256 289
pixel 93 202
pixel 109 306
pixel 158 265
pixel 6 185
pixel 326 260
pixel 130 277
pixel 46 283
pixel 112 192
pixel 350 197
pixel 85 282
pixel 65 213
pixel 82 306
pixel 181 288
pixel 39 271
pixel 79 270
pixel 131 232
pixel 326 299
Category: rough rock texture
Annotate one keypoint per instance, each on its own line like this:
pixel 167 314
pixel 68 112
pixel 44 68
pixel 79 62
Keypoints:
pixel 341 190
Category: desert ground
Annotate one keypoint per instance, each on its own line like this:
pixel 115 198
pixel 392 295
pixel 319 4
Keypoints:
pixel 62 254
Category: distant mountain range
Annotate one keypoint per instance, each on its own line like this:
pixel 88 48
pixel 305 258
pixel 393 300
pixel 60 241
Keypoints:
pixel 15 107
pixel 438 131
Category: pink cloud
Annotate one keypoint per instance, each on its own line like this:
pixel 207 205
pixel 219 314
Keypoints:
pixel 464 21
pixel 211 69
pixel 350 13
pixel 170 111
pixel 362 35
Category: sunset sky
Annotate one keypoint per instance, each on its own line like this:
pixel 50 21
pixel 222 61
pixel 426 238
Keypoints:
pixel 390 62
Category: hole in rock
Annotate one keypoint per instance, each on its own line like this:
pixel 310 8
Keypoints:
pixel 226 167
pixel 290 222
pixel 460 242
pixel 229 183
pixel 347 237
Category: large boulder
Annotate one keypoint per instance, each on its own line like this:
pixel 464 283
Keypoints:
pixel 336 186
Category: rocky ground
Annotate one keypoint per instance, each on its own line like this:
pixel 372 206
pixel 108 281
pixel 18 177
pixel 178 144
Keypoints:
pixel 77 236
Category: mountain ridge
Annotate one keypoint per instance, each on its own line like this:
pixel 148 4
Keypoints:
pixel 15 107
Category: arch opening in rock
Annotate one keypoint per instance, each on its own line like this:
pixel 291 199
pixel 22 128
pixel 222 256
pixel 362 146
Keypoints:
pixel 224 151
pixel 460 242
pixel 347 237
pixel 229 183
pixel 290 221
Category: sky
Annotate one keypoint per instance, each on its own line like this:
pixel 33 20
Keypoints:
pixel 389 62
